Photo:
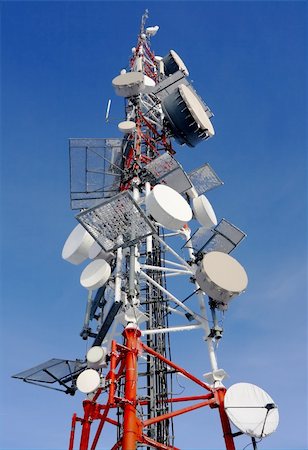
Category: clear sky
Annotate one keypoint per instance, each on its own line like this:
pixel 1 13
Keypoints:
pixel 248 62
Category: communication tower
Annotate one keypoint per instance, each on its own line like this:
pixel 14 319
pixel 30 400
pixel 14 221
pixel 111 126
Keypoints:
pixel 133 197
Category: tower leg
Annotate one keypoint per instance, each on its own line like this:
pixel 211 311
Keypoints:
pixel 225 421
pixel 130 422
pixel 86 426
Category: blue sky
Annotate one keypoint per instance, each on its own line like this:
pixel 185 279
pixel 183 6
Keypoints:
pixel 248 62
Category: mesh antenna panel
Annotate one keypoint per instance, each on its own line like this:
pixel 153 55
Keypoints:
pixel 204 179
pixel 118 222
pixel 223 238
pixel 61 371
pixel 166 170
pixel 95 170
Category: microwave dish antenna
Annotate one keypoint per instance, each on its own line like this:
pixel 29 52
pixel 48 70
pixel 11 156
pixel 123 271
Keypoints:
pixel 135 202
pixel 187 116
pixel 251 410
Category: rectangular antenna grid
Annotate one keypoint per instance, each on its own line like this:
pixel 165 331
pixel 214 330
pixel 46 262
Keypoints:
pixel 204 179
pixel 166 170
pixel 95 170
pixel 118 222
pixel 52 371
pixel 223 238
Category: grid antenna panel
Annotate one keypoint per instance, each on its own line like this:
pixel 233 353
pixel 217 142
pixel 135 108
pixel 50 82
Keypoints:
pixel 118 222
pixel 61 371
pixel 204 179
pixel 166 170
pixel 95 170
pixel 225 237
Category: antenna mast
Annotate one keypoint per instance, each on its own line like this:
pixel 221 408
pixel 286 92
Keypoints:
pixel 135 201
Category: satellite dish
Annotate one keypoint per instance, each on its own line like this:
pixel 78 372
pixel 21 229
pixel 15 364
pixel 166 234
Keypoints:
pixel 128 84
pixel 88 381
pixel 168 207
pixel 221 276
pixel 203 211
pixel 127 127
pixel 251 410
pixel 173 63
pixel 187 116
pixel 77 245
pixel 96 357
pixel 95 275
pixel 96 252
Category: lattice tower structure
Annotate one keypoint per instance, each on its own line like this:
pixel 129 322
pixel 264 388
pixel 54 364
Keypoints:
pixel 149 141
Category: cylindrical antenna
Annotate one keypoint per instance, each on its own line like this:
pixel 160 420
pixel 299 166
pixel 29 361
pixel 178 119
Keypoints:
pixel 108 110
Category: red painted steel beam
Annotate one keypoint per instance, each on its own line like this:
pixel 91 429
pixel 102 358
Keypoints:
pixel 72 435
pixel 176 367
pixel 225 423
pixel 155 444
pixel 130 421
pixel 148 422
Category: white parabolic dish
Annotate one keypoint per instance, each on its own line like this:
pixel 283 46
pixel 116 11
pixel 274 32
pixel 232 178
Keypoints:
pixel 95 275
pixel 96 252
pixel 96 356
pixel 196 109
pixel 178 60
pixel 221 277
pixel 204 212
pixel 168 207
pixel 88 381
pixel 77 245
pixel 128 84
pixel 251 410
pixel 128 126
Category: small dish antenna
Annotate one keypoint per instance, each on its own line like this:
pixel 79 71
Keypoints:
pixel 251 410
pixel 221 276
pixel 96 357
pixel 95 275
pixel 129 84
pixel 88 381
pixel 204 212
pixel 168 207
pixel 127 127
pixel 77 245
pixel 96 252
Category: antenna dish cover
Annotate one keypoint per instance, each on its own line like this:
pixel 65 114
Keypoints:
pixel 126 127
pixel 96 357
pixel 187 116
pixel 128 84
pixel 88 381
pixel 77 245
pixel 96 252
pixel 251 410
pixel 168 207
pixel 173 63
pixel 221 277
pixel 204 212
pixel 95 275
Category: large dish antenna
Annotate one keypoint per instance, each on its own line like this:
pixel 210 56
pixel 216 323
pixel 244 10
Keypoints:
pixel 251 410
pixel 168 207
pixel 77 246
pixel 173 62
pixel 187 116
